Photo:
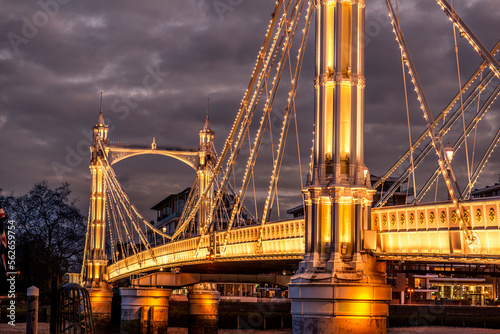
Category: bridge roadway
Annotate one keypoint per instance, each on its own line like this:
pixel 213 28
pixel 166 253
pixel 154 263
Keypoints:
pixel 427 232
pixel 431 232
pixel 282 246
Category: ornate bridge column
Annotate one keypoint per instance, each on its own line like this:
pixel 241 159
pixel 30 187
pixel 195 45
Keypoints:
pixel 339 288
pixel 205 171
pixel 96 260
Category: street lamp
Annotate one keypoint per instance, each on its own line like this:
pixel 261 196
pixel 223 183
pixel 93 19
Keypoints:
pixel 410 291
pixel 164 229
pixel 448 150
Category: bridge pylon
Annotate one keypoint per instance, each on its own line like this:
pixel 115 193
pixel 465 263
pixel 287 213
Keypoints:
pixel 95 258
pixel 339 287
pixel 206 163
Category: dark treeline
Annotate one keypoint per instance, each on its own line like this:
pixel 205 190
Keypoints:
pixel 49 235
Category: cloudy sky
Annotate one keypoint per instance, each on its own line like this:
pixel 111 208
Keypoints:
pixel 56 56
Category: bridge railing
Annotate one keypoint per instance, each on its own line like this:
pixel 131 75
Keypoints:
pixel 283 239
pixel 435 229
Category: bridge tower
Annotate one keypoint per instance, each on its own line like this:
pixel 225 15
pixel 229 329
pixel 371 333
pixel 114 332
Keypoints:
pixel 205 171
pixel 339 287
pixel 96 260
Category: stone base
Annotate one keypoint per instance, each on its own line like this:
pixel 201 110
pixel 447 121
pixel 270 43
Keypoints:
pixel 101 301
pixel 144 310
pixel 346 300
pixel 343 325
pixel 203 309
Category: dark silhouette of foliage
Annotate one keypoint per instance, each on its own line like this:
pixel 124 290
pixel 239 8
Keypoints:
pixel 50 233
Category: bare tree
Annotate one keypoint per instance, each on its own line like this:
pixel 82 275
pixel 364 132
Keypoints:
pixel 50 232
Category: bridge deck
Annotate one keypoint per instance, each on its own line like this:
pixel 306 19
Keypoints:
pixel 431 231
pixel 282 241
pixel 428 232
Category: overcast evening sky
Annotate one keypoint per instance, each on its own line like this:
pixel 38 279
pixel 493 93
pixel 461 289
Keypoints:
pixel 56 56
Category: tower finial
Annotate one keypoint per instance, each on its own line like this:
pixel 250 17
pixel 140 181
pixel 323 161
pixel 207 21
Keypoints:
pixel 208 105
pixel 207 120
pixel 101 118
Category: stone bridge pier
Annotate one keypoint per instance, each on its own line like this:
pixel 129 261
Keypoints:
pixel 144 310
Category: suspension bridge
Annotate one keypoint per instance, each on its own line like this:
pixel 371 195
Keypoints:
pixel 341 243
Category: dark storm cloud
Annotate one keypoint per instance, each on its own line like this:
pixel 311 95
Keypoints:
pixel 51 80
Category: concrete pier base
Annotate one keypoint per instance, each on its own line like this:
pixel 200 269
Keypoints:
pixel 144 310
pixel 203 309
pixel 100 300
pixel 340 301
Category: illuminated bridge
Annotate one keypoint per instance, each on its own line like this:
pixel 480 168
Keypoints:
pixel 338 249
pixel 427 232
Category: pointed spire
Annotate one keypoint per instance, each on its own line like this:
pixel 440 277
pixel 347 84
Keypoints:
pixel 101 118
pixel 207 120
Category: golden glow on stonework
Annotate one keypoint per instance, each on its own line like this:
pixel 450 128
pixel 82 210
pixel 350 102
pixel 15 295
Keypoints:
pixel 345 121
pixel 479 215
pixel 326 219
pixel 345 219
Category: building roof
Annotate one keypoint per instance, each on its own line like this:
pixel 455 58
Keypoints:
pixel 297 209
pixel 485 190
pixel 170 197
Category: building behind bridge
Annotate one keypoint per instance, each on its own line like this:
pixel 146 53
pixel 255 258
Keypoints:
pixel 488 191
pixel 169 211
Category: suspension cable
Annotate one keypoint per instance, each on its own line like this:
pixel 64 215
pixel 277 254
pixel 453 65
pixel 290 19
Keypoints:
pixel 461 101
pixel 84 265
pixel 469 186
pixel 444 163
pixel 446 110
pixel 412 175
pixel 263 61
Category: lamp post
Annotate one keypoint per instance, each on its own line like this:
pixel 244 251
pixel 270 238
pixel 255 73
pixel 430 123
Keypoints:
pixel 448 150
pixel 410 291
pixel 164 229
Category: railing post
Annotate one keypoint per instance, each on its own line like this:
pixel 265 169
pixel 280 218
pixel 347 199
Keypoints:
pixel 32 311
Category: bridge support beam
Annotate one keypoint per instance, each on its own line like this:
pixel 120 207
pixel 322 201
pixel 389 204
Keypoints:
pixel 339 288
pixel 203 309
pixel 144 310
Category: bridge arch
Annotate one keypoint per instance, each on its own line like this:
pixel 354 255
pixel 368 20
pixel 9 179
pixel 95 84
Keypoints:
pixel 190 157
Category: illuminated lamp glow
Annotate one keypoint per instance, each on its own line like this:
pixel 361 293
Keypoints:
pixel 448 150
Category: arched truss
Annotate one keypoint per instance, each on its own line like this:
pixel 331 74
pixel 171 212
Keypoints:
pixel 118 152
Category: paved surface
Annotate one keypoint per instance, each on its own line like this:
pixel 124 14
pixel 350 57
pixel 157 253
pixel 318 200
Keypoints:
pixel 43 328
pixel 441 330
pixel 400 330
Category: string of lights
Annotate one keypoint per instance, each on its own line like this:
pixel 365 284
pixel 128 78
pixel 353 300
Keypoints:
pixel 443 161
